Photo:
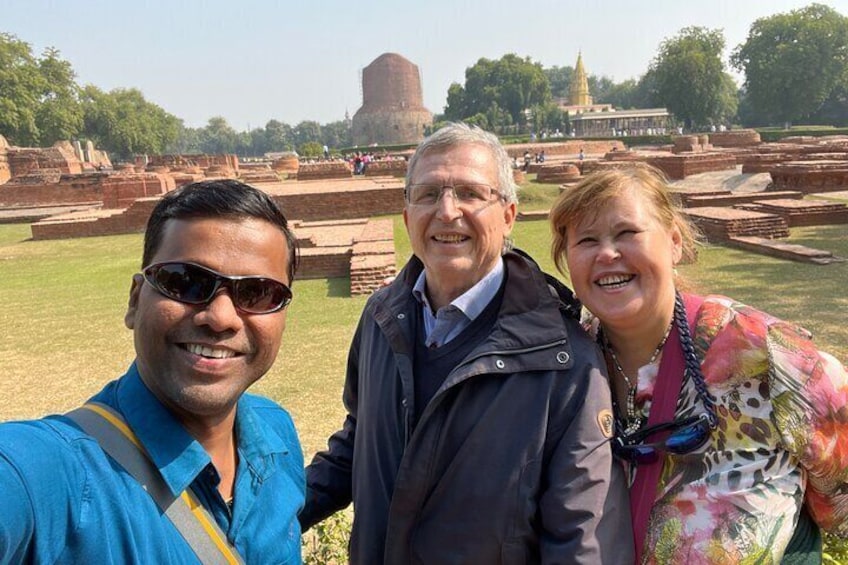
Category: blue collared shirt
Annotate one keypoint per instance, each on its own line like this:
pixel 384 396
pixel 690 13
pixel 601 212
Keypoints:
pixel 65 501
pixel 449 321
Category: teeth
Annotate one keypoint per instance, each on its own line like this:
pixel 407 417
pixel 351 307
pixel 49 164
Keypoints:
pixel 449 238
pixel 210 352
pixel 615 280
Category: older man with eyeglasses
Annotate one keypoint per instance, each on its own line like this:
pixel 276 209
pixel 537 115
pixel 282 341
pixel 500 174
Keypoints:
pixel 173 462
pixel 479 416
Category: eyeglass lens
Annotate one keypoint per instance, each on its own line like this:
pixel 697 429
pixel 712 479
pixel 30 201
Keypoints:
pixel 467 194
pixel 194 284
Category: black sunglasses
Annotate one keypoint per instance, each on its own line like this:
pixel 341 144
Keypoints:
pixel 688 435
pixel 194 284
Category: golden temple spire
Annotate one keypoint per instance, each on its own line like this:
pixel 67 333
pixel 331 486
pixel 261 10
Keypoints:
pixel 578 94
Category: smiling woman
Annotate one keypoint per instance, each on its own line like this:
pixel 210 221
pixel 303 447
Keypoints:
pixel 755 392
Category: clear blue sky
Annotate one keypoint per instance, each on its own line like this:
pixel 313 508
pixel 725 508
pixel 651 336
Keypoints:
pixel 251 61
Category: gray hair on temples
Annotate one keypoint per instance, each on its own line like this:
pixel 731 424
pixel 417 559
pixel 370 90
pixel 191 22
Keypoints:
pixel 457 133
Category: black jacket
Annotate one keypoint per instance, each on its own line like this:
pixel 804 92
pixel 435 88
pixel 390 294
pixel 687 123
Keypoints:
pixel 508 463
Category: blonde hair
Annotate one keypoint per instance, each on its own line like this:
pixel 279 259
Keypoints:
pixel 596 191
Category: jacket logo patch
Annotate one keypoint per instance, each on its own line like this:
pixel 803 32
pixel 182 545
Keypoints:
pixel 605 421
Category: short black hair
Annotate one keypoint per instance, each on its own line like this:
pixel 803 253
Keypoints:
pixel 223 198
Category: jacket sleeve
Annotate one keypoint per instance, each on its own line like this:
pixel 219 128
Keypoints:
pixel 585 511
pixel 809 391
pixel 328 476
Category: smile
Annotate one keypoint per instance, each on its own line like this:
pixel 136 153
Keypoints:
pixel 450 238
pixel 210 352
pixel 614 281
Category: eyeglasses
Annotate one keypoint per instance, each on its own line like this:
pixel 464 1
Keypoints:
pixel 190 283
pixel 466 195
pixel 688 435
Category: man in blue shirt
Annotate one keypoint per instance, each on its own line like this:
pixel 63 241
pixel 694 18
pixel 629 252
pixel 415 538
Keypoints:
pixel 207 314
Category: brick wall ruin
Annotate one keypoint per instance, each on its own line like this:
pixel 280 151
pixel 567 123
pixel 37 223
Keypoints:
pixel 392 109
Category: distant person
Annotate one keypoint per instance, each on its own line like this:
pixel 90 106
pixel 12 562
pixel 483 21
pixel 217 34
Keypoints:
pixel 207 311
pixel 733 425
pixel 580 157
pixel 527 160
pixel 478 413
pixel 326 152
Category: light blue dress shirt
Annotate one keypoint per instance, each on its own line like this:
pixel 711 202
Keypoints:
pixel 449 321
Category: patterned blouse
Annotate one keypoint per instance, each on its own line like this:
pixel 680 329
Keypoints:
pixel 782 434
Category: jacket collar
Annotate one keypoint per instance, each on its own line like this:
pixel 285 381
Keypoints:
pixel 530 313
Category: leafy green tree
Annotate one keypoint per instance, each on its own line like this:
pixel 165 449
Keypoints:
pixel 623 95
pixel 600 88
pixel 311 149
pixel 508 86
pixel 19 86
pixel 219 137
pixel 39 99
pixel 279 135
pixel 124 123
pixel 257 139
pixel 186 142
pixel 549 117
pixel 689 77
pixel 834 110
pixel 337 134
pixel 559 79
pixel 307 131
pixel 793 62
pixel 59 114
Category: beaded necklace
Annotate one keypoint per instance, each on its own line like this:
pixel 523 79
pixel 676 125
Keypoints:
pixel 633 417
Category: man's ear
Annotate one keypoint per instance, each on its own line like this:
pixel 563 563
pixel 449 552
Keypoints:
pixel 132 307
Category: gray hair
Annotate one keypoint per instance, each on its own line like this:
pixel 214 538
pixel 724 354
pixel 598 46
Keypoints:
pixel 458 133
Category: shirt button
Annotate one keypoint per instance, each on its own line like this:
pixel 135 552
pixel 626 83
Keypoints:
pixel 500 364
pixel 562 357
pixel 401 316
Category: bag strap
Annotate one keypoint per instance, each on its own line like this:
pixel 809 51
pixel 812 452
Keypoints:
pixel 666 391
pixel 191 519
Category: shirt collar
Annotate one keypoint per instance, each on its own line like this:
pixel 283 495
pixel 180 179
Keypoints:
pixel 474 300
pixel 178 456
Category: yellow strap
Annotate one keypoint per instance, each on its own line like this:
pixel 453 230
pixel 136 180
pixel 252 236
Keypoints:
pixel 197 510
pixel 202 517
pixel 115 421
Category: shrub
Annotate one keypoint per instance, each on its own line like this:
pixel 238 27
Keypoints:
pixel 327 543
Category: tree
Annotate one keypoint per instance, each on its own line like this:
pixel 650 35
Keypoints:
pixel 689 77
pixel 307 131
pixel 506 87
pixel 59 114
pixel 219 137
pixel 279 135
pixel 793 62
pixel 559 79
pixel 600 88
pixel 123 122
pixel 337 134
pixel 39 101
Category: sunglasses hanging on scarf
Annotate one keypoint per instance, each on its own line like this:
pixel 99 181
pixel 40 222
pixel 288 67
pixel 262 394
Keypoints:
pixel 685 435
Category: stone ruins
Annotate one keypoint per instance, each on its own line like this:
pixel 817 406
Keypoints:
pixel 738 190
